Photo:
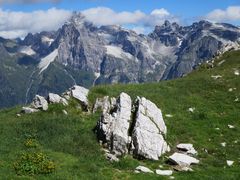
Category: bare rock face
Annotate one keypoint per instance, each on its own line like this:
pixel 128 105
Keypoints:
pixel 40 102
pixel 148 133
pixel 125 129
pixel 114 123
pixel 56 99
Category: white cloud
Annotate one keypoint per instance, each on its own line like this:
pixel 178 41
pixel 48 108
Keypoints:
pixel 139 29
pixel 160 12
pixel 232 13
pixel 18 24
pixel 106 16
pixel 158 16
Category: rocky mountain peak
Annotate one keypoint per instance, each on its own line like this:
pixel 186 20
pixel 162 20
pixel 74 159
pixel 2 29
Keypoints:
pixel 77 18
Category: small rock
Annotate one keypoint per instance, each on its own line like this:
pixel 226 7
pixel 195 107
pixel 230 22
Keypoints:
pixel 236 72
pixel 164 172
pixel 188 148
pixel 144 169
pixel 18 115
pixel 235 141
pixel 217 129
pixel 223 144
pixel 230 163
pixel 221 62
pixel 191 110
pixel 236 100
pixel 112 157
pixel 183 159
pixel 205 150
pixel 216 77
pixel 230 89
pixel 65 112
pixel 171 177
pixel 168 115
pixel 136 171
pixel 182 168
pixel 230 126
pixel 28 110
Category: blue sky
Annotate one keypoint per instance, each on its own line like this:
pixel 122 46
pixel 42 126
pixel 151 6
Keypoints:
pixel 184 8
pixel 138 14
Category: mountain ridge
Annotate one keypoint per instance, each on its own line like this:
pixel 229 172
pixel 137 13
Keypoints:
pixel 84 54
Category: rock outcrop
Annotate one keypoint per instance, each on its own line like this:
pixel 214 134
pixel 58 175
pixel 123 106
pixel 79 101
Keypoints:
pixel 40 102
pixel 125 128
pixel 56 99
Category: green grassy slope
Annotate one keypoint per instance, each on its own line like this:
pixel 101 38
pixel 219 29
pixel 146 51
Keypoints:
pixel 70 142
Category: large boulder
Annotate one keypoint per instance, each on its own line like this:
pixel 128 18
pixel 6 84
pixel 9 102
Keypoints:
pixel 114 124
pixel 125 129
pixel 81 94
pixel 56 99
pixel 149 131
pixel 40 102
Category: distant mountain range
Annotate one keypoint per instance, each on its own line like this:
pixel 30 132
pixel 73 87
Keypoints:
pixel 81 53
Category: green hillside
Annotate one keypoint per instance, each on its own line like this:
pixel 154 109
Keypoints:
pixel 73 152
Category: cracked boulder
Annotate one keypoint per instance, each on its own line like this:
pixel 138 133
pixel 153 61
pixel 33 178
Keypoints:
pixel 149 131
pixel 40 102
pixel 113 126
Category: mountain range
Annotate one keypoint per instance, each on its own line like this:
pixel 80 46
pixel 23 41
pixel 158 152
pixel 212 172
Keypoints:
pixel 81 53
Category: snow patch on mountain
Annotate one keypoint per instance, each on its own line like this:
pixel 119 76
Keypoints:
pixel 46 61
pixel 27 50
pixel 117 52
pixel 105 36
pixel 47 40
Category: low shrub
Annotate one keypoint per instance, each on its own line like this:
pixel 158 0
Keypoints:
pixel 32 163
